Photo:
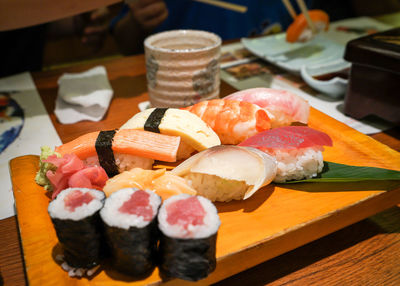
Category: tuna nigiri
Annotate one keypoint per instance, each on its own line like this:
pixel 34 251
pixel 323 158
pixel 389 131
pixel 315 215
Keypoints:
pixel 299 31
pixel 121 150
pixel 233 121
pixel 283 107
pixel 297 149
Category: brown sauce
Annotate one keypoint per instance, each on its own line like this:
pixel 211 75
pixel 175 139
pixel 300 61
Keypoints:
pixel 328 76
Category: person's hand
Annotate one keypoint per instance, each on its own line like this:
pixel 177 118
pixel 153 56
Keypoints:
pixel 95 28
pixel 149 13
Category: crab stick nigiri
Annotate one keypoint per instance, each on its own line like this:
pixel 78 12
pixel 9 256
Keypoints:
pixel 299 31
pixel 284 107
pixel 119 150
pixel 233 121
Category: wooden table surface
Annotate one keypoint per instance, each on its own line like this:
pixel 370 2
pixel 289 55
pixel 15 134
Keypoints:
pixel 365 253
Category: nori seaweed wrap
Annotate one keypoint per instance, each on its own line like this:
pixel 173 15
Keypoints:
pixel 130 219
pixel 75 216
pixel 188 226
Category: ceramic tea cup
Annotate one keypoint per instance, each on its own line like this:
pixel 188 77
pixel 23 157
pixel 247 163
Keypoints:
pixel 182 67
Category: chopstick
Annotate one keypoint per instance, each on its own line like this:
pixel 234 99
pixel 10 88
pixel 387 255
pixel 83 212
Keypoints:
pixel 225 5
pixel 290 8
pixel 304 10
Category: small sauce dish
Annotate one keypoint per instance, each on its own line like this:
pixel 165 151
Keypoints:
pixel 330 78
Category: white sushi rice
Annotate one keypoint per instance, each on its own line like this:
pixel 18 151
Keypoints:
pixel 125 162
pixel 211 221
pixel 297 164
pixel 216 188
pixel 111 215
pixel 58 210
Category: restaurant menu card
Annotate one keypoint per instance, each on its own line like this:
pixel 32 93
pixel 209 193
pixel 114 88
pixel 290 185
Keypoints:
pixel 24 127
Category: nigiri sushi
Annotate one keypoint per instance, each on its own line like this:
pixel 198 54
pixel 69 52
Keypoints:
pixel 283 107
pixel 195 134
pixel 120 150
pixel 297 149
pixel 233 121
pixel 299 31
pixel 162 182
pixel 226 172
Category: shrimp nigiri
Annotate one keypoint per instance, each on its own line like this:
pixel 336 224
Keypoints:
pixel 233 121
pixel 283 107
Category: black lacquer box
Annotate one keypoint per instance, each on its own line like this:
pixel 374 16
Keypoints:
pixel 374 83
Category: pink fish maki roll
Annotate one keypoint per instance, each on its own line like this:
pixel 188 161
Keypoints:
pixel 129 216
pixel 188 226
pixel 233 121
pixel 297 149
pixel 283 107
pixel 75 216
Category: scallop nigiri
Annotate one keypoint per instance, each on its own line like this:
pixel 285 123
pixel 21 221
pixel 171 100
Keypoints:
pixel 283 107
pixel 226 172
pixel 297 149
pixel 233 121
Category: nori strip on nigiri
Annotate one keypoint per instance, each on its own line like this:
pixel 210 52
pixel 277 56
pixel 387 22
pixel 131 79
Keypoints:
pixel 105 153
pixel 188 259
pixel 154 120
pixel 134 251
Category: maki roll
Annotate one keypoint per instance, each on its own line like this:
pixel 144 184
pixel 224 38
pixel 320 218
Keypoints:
pixel 75 215
pixel 130 216
pixel 188 226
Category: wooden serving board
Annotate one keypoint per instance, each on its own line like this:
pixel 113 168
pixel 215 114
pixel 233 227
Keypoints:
pixel 275 220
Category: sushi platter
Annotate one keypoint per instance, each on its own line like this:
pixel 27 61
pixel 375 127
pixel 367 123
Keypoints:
pixel 274 220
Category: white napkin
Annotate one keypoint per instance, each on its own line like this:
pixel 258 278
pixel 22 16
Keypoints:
pixel 83 96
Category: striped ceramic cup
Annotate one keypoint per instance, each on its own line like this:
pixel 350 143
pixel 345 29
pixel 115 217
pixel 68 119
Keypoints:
pixel 182 67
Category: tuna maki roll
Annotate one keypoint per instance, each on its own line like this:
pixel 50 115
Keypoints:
pixel 130 218
pixel 75 215
pixel 188 226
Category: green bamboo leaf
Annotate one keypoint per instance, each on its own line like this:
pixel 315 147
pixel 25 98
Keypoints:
pixel 334 172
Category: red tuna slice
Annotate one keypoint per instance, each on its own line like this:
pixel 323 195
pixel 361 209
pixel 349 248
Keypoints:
pixel 76 199
pixel 317 137
pixel 186 212
pixel 288 137
pixel 138 204
pixel 90 177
